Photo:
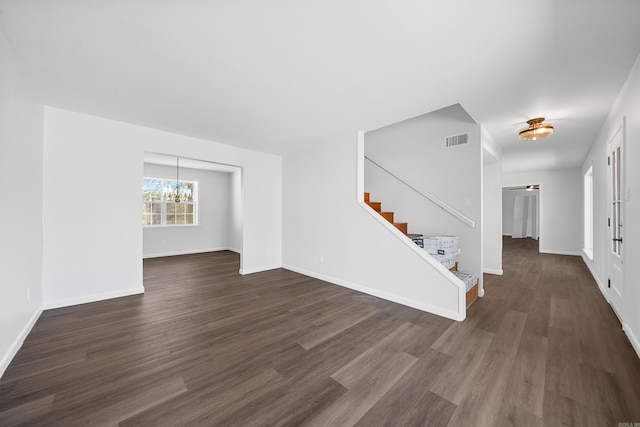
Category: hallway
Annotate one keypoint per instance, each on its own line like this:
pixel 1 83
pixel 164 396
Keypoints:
pixel 573 364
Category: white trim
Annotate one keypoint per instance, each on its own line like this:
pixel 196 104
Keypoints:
pixel 589 265
pixel 189 251
pixel 622 310
pixel 460 315
pixel 360 168
pixel 244 271
pixel 384 295
pixel 93 298
pixel 462 300
pixel 493 271
pixel 17 343
pixel 625 326
pixel 451 210
pixel 632 338
pixel 163 203
pixel 554 252
pixel 153 226
pixel 415 248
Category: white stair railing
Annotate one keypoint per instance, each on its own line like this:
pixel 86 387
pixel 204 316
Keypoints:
pixel 462 217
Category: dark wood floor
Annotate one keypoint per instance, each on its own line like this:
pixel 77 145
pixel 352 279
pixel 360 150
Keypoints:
pixel 205 346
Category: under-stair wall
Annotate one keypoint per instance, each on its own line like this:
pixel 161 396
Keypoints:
pixel 329 234
pixel 416 149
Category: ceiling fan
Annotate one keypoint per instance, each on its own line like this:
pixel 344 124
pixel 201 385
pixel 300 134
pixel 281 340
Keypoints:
pixel 527 187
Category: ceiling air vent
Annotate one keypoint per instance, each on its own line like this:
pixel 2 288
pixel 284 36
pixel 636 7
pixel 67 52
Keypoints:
pixel 454 141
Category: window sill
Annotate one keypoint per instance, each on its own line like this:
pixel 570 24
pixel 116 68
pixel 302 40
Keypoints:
pixel 170 225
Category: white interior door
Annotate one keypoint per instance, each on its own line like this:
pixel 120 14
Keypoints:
pixel 615 261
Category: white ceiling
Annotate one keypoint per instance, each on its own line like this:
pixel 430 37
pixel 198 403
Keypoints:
pixel 276 75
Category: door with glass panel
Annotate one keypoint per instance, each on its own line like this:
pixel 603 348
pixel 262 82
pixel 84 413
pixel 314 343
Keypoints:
pixel 615 192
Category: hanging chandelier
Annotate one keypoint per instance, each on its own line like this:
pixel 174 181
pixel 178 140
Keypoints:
pixel 176 198
pixel 537 130
pixel 173 193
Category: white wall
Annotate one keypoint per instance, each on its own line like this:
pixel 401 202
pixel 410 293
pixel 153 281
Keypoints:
pixel 416 149
pixel 93 243
pixel 214 219
pixel 491 217
pixel 21 215
pixel 626 106
pixel 329 235
pixel 560 203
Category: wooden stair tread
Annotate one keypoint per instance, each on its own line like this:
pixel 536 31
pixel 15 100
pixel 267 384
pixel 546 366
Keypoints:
pixel 414 235
pixel 387 215
pixel 402 226
pixel 376 206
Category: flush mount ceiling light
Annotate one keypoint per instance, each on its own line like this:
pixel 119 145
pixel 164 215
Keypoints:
pixel 537 130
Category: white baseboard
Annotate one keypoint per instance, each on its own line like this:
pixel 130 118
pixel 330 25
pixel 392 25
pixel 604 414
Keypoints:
pixel 92 298
pixel 17 343
pixel 554 252
pixel 187 252
pixel 384 295
pixel 244 271
pixel 632 338
pixel 635 343
pixel 493 271
pixel 589 265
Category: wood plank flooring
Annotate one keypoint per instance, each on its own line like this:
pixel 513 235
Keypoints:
pixel 206 346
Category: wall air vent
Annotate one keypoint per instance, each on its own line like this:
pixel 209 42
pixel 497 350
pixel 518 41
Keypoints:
pixel 454 141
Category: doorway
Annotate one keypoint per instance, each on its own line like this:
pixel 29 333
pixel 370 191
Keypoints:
pixel 521 212
pixel 215 212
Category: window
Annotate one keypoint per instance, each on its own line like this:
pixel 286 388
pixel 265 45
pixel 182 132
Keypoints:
pixel 159 206
pixel 588 213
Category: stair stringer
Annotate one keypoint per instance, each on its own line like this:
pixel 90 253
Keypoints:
pixel 449 279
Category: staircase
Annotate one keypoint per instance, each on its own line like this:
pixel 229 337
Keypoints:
pixel 471 294
pixel 377 206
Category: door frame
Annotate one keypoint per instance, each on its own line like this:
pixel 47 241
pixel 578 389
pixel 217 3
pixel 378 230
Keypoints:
pixel 619 130
pixel 539 205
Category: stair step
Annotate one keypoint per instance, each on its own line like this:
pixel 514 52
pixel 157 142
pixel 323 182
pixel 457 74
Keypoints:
pixel 376 206
pixel 402 226
pixel 414 235
pixel 387 215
